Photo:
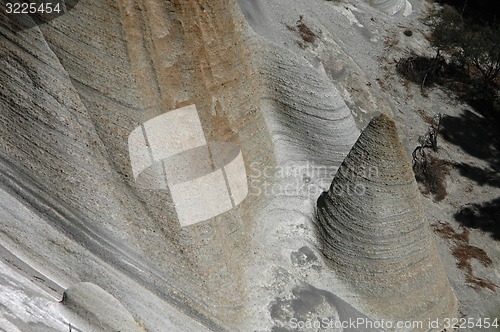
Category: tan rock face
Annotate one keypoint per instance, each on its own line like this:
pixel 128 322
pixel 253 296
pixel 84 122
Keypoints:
pixel 375 234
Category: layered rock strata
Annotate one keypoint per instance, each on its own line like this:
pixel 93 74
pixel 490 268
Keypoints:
pixel 72 91
pixel 375 235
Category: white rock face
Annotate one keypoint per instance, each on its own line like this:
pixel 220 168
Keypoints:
pixel 391 7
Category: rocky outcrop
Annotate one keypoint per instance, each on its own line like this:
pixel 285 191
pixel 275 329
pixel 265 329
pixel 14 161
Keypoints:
pixel 73 90
pixel 392 7
pixel 69 102
pixel 375 234
pixel 98 309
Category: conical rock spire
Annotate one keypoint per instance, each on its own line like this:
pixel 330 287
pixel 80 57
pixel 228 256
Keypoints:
pixel 374 231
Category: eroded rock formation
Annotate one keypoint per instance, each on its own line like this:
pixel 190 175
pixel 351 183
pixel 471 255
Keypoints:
pixel 375 233
pixel 98 309
pixel 72 91
pixel 392 7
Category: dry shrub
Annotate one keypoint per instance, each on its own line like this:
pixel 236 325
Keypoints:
pixel 307 35
pixel 447 232
pixel 390 42
pixel 421 70
pixel 431 173
pixel 305 32
pixel 464 253
pixel 429 170
pixel 478 283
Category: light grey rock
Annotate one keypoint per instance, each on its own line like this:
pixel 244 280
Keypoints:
pixel 98 308
pixel 72 90
pixel 391 7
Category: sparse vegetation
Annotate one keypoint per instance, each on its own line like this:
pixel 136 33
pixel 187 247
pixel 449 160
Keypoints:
pixel 430 171
pixel 306 34
pixel 473 47
pixel 467 60
pixel 464 253
pixel 426 117
pixel 421 70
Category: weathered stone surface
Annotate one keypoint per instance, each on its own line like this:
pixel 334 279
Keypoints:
pixel 375 233
pixel 391 7
pixel 72 91
pixel 98 308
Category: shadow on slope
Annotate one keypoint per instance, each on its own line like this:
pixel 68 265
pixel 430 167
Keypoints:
pixel 484 216
pixel 478 137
